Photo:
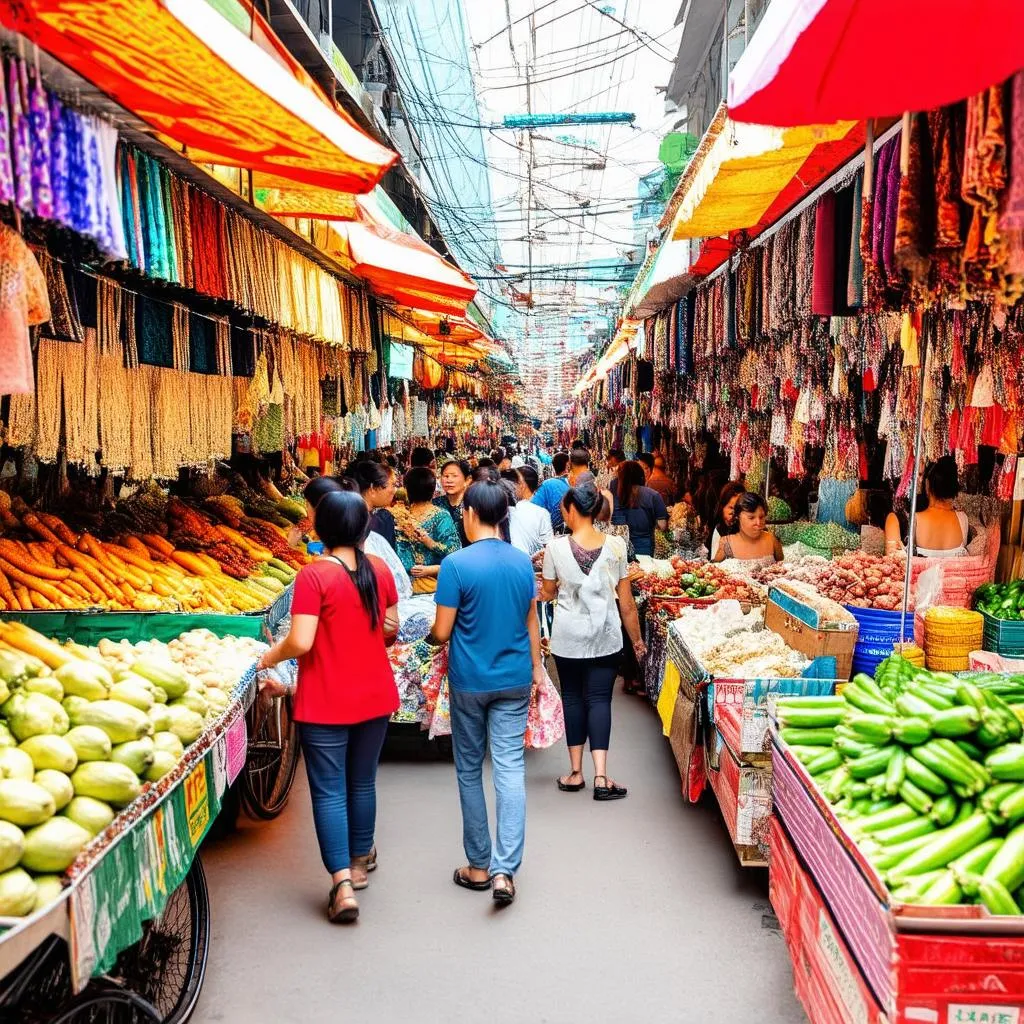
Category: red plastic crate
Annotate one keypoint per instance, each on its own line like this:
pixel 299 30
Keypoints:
pixel 924 965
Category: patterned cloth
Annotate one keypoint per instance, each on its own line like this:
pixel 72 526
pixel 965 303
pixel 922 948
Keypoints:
pixel 424 538
pixel 23 302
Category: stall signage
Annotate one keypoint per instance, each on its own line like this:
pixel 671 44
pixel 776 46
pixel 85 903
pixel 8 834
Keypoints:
pixel 237 743
pixel 131 882
pixel 964 1013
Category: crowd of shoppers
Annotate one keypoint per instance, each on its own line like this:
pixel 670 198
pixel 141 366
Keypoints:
pixel 489 538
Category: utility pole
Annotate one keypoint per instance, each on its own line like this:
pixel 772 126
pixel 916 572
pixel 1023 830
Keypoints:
pixel 529 167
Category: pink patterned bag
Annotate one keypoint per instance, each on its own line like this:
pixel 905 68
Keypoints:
pixel 545 721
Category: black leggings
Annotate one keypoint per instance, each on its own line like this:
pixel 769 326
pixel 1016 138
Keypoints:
pixel 587 685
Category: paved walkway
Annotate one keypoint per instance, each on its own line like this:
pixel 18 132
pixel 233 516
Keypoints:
pixel 630 911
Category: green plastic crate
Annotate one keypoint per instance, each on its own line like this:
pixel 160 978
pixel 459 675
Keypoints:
pixel 1003 636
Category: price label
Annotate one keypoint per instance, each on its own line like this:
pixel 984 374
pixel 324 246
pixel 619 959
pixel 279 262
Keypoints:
pixel 197 803
pixel 973 1013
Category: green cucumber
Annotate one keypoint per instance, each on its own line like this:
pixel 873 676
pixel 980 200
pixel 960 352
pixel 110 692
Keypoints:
pixel 944 810
pixel 996 898
pixel 871 764
pixel 946 846
pixel 924 777
pixel 896 772
pixel 969 750
pixel 916 797
pixel 875 729
pixel 851 748
pixel 1011 808
pixel 911 731
pixel 835 787
pixel 827 761
pixel 808 737
pixel 943 764
pixel 1007 866
pixel 862 700
pixel 944 891
pixel 917 826
pixel 960 721
pixel 979 858
pixel 1007 763
pixel 913 707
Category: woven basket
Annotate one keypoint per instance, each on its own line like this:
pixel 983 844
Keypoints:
pixel 911 652
pixel 949 664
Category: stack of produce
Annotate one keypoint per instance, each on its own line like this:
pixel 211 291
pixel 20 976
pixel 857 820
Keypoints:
pixel 1001 600
pixel 805 568
pixel 697 581
pixel 83 731
pixel 910 652
pixel 950 634
pixel 865 581
pixel 45 565
pixel 731 645
pixel 830 613
pixel 926 771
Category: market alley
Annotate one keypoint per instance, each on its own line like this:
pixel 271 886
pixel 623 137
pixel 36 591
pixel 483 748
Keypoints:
pixel 633 911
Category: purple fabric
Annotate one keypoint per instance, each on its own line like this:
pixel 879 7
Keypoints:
pixel 892 202
pixel 21 143
pixel 60 171
pixel 878 210
pixel 39 129
pixel 6 170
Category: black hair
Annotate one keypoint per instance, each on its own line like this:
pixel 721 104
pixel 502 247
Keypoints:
pixel 486 463
pixel 560 463
pixel 943 479
pixel 618 454
pixel 585 498
pixel 529 477
pixel 420 457
pixel 342 521
pixel 319 487
pixel 630 479
pixel 647 459
pixel 420 484
pixel 464 467
pixel 580 457
pixel 499 455
pixel 727 493
pixel 369 474
pixel 486 474
pixel 489 501
pixel 348 484
pixel 748 502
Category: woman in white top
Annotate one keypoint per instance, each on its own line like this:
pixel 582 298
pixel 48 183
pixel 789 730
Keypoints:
pixel 939 530
pixel 588 571
pixel 529 524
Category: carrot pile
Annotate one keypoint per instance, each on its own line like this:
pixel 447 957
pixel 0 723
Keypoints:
pixel 61 569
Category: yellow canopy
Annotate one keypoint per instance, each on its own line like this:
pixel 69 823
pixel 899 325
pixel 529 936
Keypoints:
pixel 739 170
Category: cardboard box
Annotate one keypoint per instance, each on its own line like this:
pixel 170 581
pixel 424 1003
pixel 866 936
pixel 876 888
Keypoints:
pixel 797 624
pixel 744 794
pixel 687 745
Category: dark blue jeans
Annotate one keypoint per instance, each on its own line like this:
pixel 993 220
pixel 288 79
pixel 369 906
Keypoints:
pixel 341 765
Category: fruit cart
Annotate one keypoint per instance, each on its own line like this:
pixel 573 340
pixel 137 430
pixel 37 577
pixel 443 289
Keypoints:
pixel 142 950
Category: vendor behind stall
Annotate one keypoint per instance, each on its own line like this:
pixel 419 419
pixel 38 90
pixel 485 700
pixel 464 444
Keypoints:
pixel 939 530
pixel 750 540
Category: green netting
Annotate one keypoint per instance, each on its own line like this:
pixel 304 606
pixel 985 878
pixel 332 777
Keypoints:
pixel 88 628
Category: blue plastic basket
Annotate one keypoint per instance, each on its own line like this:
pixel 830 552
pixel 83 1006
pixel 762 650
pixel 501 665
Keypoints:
pixel 879 633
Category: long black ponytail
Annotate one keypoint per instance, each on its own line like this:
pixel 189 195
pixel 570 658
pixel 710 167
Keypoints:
pixel 342 521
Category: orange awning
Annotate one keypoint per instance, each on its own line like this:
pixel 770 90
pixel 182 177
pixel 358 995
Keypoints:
pixel 193 77
pixel 401 266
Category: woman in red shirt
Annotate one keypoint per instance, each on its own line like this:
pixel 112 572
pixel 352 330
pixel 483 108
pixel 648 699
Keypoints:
pixel 344 614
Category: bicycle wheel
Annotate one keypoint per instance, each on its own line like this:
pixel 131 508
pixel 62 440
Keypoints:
pixel 271 759
pixel 100 1005
pixel 166 967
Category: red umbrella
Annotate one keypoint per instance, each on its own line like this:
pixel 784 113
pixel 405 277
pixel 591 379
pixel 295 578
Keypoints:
pixel 819 61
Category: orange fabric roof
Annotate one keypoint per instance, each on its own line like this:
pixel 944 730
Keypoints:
pixel 191 75
pixel 401 266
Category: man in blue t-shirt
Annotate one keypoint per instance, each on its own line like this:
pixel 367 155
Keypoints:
pixel 550 493
pixel 486 607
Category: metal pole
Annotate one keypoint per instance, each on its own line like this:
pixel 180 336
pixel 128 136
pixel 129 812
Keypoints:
pixel 923 355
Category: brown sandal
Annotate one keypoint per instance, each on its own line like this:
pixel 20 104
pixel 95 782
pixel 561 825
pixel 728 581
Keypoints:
pixel 363 865
pixel 347 911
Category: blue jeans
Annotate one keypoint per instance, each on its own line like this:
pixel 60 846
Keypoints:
pixel 500 717
pixel 341 765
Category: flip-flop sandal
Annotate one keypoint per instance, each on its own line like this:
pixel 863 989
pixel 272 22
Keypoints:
pixel 608 792
pixel 503 895
pixel 346 915
pixel 467 883
pixel 571 787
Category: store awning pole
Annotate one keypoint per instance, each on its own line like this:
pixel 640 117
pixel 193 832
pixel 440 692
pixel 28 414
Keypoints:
pixel 918 445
